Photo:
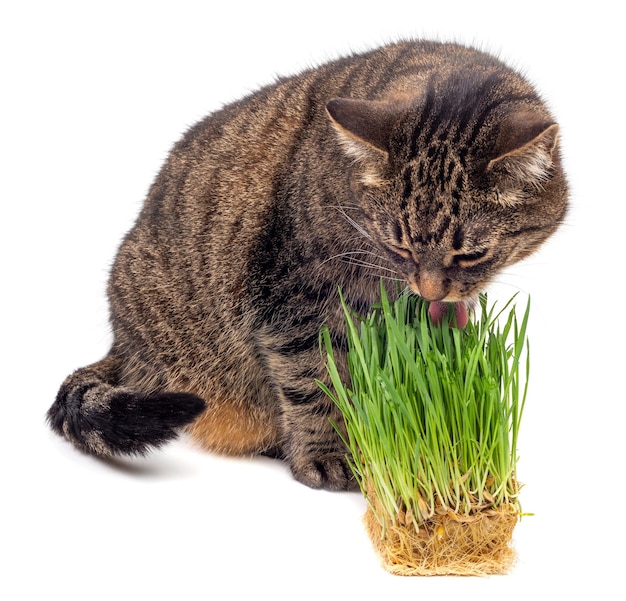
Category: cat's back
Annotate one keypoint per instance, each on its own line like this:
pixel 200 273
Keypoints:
pixel 247 143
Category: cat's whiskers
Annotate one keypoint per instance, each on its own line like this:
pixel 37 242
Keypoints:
pixel 349 254
pixel 359 228
pixel 504 283
pixel 369 268
pixel 387 278
pixel 508 284
pixel 365 239
pixel 366 264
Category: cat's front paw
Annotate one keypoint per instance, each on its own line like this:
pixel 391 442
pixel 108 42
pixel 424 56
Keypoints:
pixel 330 471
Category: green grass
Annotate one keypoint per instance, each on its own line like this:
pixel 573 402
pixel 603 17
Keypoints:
pixel 432 413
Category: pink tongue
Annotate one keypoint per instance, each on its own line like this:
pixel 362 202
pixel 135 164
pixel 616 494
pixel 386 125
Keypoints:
pixel 438 311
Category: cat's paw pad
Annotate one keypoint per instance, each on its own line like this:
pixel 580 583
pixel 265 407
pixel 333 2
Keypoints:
pixel 330 471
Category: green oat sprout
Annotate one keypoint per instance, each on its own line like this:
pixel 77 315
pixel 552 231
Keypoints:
pixel 431 412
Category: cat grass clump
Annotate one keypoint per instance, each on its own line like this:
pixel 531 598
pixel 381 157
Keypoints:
pixel 432 416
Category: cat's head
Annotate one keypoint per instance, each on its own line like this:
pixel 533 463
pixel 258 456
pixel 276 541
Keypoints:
pixel 456 183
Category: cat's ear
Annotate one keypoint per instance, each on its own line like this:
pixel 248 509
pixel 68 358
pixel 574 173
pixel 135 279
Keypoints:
pixel 363 124
pixel 524 154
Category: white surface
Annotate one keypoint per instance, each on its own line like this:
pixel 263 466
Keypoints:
pixel 92 100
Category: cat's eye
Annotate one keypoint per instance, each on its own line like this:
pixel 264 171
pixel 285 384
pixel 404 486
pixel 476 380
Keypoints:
pixel 403 253
pixel 467 259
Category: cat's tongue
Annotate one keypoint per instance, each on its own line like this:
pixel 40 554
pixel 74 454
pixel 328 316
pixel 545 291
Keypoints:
pixel 438 311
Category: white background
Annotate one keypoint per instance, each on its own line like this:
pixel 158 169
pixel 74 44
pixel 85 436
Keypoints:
pixel 93 96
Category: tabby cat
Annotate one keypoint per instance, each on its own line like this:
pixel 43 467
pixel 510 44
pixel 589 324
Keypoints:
pixel 430 163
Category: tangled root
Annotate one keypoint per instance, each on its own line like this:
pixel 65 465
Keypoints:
pixel 448 544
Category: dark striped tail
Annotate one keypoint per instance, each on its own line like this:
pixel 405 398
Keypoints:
pixel 103 419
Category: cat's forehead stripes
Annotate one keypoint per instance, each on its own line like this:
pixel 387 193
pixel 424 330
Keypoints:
pixel 454 110
pixel 431 196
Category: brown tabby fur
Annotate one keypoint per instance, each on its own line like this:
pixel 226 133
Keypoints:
pixel 431 163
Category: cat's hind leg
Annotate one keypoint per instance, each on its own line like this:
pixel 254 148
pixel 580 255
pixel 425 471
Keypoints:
pixel 236 427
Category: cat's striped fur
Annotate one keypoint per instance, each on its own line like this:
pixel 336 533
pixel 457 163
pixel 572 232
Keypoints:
pixel 432 163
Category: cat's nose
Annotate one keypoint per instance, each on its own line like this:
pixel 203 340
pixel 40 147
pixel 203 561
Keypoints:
pixel 431 286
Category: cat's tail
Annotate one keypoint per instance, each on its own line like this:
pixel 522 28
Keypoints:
pixel 105 419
